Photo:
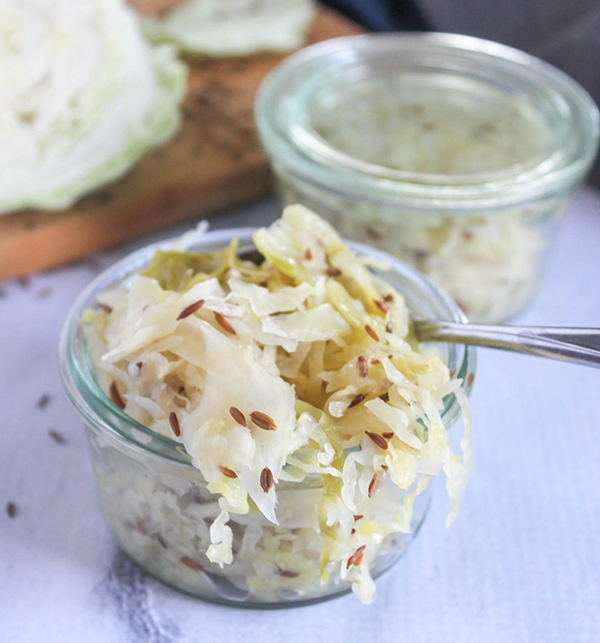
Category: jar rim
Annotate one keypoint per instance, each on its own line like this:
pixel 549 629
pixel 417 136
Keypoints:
pixel 106 419
pixel 281 116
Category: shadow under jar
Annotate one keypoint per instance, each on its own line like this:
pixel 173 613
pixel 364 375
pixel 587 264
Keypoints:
pixel 157 504
pixel 456 154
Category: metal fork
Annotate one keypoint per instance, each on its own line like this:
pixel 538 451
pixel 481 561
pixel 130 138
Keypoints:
pixel 579 345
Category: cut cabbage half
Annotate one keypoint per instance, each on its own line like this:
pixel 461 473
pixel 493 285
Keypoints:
pixel 82 96
pixel 233 27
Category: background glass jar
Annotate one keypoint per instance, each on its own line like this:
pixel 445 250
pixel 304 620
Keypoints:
pixel 456 154
pixel 157 504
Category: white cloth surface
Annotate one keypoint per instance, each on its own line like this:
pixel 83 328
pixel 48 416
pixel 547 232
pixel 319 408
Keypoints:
pixel 520 564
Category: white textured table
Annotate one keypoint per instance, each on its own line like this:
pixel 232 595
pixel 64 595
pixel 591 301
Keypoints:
pixel 522 562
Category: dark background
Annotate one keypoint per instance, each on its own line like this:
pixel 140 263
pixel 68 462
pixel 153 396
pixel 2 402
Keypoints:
pixel 566 33
pixel 383 15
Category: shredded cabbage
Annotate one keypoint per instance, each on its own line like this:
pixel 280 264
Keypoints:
pixel 300 368
pixel 407 124
pixel 489 263
pixel 233 27
pixel 83 96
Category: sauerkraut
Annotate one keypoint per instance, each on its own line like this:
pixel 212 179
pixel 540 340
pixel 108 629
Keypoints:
pixel 297 389
pixel 412 125
pixel 83 96
pixel 490 263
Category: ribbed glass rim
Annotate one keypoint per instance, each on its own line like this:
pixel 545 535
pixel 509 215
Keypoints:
pixel 105 418
pixel 281 107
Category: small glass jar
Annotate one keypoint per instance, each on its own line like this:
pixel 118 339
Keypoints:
pixel 157 504
pixel 456 154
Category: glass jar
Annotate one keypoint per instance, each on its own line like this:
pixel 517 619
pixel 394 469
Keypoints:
pixel 456 154
pixel 157 504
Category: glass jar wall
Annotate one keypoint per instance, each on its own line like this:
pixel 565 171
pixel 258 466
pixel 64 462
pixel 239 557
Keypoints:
pixel 455 154
pixel 158 505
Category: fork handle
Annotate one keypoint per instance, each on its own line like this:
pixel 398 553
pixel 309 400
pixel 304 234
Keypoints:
pixel 579 345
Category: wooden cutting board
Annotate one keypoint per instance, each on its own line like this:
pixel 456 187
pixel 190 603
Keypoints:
pixel 214 162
